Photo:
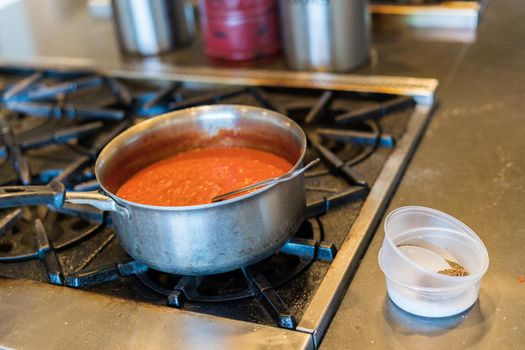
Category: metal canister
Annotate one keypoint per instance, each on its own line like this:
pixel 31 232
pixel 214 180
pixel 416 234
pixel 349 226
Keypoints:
pixel 325 35
pixel 152 27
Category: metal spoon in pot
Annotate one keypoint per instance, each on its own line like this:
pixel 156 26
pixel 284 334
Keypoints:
pixel 270 181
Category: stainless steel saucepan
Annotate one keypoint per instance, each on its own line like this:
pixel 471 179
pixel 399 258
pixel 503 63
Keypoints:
pixel 201 239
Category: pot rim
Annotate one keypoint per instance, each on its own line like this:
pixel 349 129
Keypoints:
pixel 158 119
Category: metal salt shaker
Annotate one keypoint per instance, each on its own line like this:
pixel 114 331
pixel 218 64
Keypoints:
pixel 325 35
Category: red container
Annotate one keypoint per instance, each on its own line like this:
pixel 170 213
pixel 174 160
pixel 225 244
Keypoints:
pixel 240 30
pixel 244 7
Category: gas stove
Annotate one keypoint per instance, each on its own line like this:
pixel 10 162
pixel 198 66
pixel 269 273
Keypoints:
pixel 54 124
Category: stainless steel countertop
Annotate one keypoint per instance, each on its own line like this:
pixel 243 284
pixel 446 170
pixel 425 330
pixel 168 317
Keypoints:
pixel 470 163
pixel 63 31
pixel 58 33
pixel 91 321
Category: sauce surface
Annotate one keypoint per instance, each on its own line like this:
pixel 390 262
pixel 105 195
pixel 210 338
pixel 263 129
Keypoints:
pixel 195 177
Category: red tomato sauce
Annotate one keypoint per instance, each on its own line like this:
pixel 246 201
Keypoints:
pixel 195 177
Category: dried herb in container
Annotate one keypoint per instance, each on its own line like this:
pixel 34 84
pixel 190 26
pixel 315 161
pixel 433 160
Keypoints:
pixel 455 269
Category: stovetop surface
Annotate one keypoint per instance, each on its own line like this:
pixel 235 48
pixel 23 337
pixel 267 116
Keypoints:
pixel 44 122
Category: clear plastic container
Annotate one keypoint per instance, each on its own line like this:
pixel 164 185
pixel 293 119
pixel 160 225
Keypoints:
pixel 418 242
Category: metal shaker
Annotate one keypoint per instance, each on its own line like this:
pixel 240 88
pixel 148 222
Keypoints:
pixel 325 35
pixel 152 27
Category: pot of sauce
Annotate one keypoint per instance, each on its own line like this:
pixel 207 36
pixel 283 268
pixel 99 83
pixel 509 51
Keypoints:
pixel 199 239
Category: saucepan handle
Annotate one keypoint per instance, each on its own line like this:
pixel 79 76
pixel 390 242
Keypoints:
pixel 17 196
pixel 55 194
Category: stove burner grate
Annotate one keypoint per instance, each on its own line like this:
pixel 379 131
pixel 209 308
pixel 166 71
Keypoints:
pixel 259 280
pixel 52 95
pixel 55 124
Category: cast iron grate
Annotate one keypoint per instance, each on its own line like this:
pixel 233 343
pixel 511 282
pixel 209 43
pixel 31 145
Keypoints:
pixel 54 124
pixel 256 281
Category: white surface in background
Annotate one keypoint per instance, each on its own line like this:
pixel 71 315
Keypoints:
pixel 19 39
pixel 99 8
pixel 6 3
